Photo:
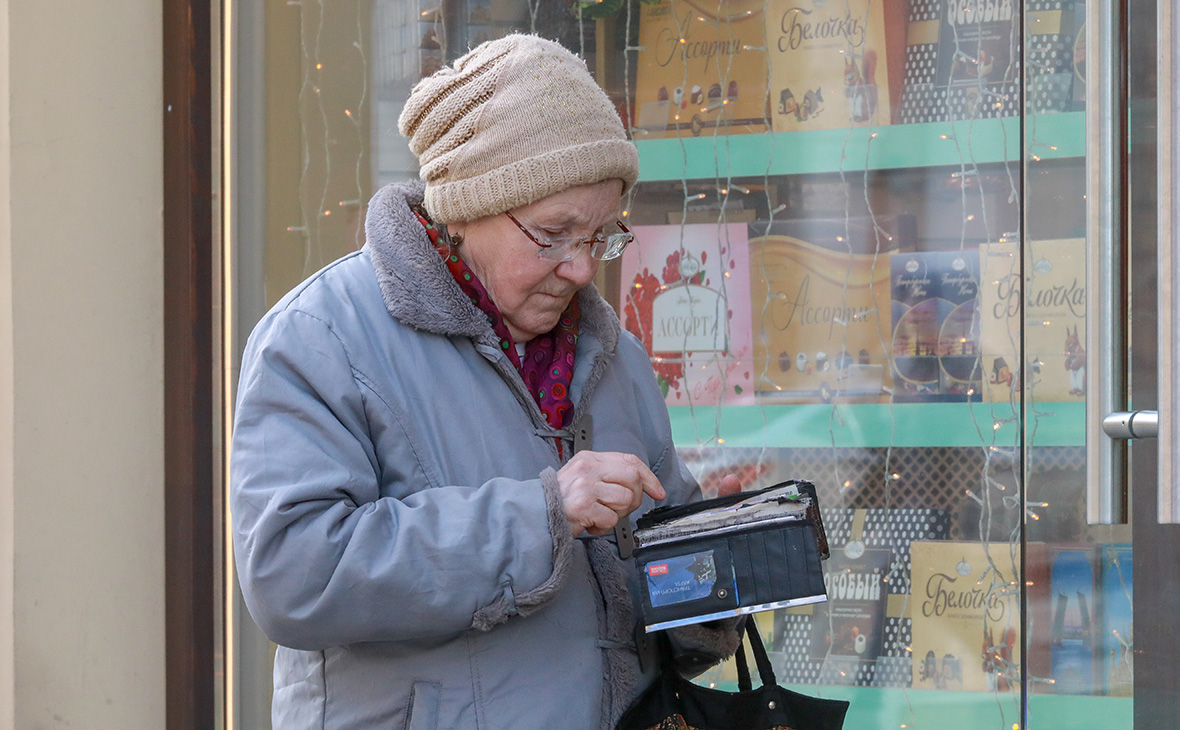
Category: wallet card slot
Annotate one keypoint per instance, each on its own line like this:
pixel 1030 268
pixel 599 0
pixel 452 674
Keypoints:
pixel 689 581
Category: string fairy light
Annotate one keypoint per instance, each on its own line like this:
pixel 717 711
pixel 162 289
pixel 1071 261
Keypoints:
pixel 319 151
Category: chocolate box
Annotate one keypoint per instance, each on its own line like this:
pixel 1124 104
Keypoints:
pixel 685 296
pixel 966 616
pixel 935 343
pixel 820 303
pixel 834 65
pixel 699 70
pixel 1054 311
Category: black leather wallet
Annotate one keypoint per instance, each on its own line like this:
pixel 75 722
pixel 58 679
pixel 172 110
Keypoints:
pixel 743 553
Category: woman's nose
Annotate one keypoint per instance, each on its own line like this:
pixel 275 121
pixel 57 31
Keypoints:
pixel 580 269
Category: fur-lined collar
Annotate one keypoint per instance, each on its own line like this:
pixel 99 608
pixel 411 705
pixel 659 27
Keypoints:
pixel 419 291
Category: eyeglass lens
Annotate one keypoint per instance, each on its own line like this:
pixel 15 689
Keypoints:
pixel 606 245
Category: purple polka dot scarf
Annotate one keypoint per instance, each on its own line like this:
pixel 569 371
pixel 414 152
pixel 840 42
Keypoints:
pixel 548 364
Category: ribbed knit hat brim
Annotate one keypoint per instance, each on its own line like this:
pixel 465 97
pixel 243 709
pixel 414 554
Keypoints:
pixel 531 179
pixel 515 120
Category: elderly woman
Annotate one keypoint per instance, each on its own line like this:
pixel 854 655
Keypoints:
pixel 415 524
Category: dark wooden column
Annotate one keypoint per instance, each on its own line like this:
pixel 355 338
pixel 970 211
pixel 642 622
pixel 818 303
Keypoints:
pixel 188 364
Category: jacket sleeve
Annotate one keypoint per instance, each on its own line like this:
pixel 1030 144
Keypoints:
pixel 674 476
pixel 324 559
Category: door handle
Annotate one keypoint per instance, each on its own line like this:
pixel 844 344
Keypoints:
pixel 1106 230
pixel 1132 425
pixel 1167 263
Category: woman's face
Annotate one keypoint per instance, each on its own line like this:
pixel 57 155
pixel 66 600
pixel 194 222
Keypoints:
pixel 532 292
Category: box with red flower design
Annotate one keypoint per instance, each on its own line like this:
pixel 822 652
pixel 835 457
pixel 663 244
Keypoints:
pixel 684 295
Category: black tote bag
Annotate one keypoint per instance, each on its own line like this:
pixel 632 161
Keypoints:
pixel 674 703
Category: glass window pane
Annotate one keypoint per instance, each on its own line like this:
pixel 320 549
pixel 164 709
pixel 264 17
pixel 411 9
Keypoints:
pixel 855 264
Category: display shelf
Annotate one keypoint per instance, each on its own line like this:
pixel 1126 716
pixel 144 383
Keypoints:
pixel 968 142
pixel 876 426
pixel 916 708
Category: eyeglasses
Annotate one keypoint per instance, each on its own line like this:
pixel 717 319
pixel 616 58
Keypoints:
pixel 605 245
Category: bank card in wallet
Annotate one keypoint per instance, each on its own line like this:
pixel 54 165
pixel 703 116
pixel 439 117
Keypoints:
pixel 733 555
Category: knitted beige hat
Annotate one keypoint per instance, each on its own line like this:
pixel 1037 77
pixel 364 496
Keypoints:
pixel 515 120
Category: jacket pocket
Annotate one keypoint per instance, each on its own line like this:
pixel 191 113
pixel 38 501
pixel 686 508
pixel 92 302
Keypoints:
pixel 423 711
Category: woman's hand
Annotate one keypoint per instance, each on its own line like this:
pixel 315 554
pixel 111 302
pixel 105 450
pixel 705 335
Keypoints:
pixel 730 484
pixel 599 488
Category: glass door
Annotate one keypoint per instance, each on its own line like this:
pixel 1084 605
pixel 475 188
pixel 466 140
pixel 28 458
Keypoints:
pixel 1078 566
pixel 866 247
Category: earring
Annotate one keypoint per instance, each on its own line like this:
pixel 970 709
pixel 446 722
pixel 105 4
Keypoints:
pixel 456 239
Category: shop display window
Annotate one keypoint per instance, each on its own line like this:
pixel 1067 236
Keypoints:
pixel 859 260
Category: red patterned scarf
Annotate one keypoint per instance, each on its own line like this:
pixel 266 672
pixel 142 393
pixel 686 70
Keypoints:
pixel 548 364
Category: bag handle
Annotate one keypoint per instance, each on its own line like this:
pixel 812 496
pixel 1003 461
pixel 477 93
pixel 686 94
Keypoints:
pixel 743 669
pixel 765 670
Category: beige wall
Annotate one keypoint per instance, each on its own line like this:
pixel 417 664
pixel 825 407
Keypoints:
pixel 6 409
pixel 81 366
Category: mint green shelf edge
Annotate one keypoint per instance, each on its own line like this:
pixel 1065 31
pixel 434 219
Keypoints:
pixel 934 144
pixel 916 709
pixel 873 425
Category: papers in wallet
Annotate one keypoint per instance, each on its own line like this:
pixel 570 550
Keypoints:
pixel 776 505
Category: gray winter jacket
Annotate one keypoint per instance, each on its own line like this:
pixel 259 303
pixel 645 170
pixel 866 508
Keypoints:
pixel 397 524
